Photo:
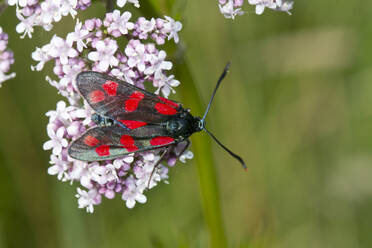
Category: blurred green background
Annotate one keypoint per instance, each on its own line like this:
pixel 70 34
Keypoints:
pixel 296 105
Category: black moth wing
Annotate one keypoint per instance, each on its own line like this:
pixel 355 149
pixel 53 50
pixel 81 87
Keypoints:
pixel 109 97
pixel 103 143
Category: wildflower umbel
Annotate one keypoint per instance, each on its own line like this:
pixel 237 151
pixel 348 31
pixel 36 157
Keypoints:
pixel 94 45
pixel 232 8
pixel 32 13
pixel 6 58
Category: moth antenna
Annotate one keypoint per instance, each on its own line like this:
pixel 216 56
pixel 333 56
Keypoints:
pixel 225 70
pixel 226 149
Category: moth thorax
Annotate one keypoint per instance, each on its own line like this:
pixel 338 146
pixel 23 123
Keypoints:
pixel 175 125
pixel 101 120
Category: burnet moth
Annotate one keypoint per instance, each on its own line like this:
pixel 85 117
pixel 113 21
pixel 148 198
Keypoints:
pixel 130 119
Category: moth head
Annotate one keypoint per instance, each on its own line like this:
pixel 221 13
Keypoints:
pixel 199 124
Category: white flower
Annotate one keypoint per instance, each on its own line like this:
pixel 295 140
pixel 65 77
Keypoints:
pixel 70 71
pixel 143 174
pixel 26 26
pixel 261 4
pixel 50 11
pixel 146 26
pixel 53 83
pixel 60 49
pixel 74 128
pixel 158 64
pixel 229 11
pixel 120 23
pixel 286 7
pixel 128 159
pixel 121 3
pixel 136 56
pixel 75 170
pixel 61 113
pixel 21 3
pixel 94 172
pixel 83 113
pixel 53 10
pixel 123 163
pixel 124 72
pixel 88 173
pixel 68 7
pixel 110 171
pixel 59 167
pixel 88 199
pixel 41 55
pixel 131 194
pixel 186 155
pixel 165 84
pixel 44 13
pixel 172 28
pixel 278 5
pixel 101 174
pixel 57 141
pixel 105 54
pixel 62 89
pixel 78 36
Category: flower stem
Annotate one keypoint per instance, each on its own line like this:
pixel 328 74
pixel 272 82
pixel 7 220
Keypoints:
pixel 3 7
pixel 109 5
pixel 204 162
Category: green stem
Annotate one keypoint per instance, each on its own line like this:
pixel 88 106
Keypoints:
pixel 203 157
pixel 109 5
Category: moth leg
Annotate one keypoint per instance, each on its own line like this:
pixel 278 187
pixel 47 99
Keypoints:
pixel 156 165
pixel 184 149
pixel 161 157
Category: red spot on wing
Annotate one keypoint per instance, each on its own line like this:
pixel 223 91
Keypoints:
pixel 110 87
pixel 131 104
pixel 133 124
pixel 168 102
pixel 165 109
pixel 103 150
pixel 137 95
pixel 128 143
pixel 96 96
pixel 91 141
pixel 161 140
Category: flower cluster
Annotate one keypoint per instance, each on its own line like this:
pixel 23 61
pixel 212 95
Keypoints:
pixel 94 45
pixel 232 8
pixel 33 13
pixel 6 58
